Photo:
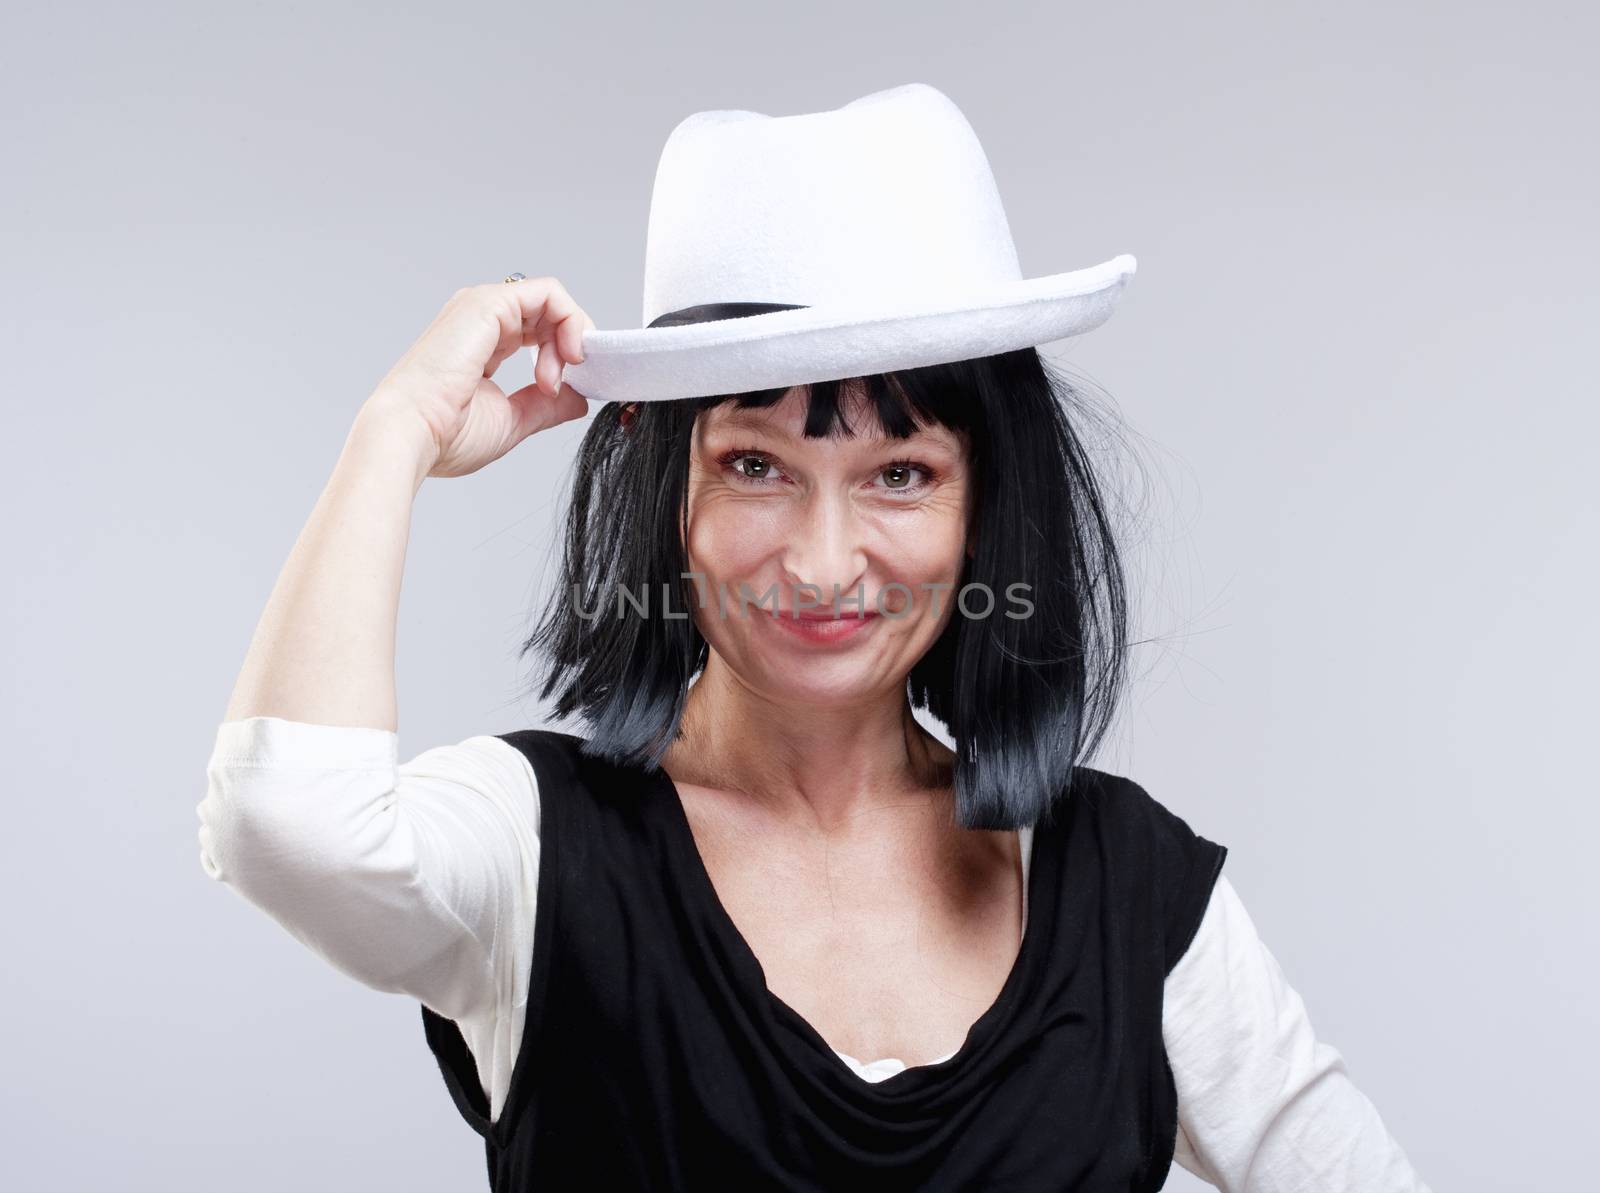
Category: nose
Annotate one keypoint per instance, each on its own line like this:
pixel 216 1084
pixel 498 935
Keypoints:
pixel 825 547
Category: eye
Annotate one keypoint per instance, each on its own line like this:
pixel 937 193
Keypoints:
pixel 899 477
pixel 758 467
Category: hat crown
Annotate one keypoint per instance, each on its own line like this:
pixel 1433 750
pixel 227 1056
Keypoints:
pixel 887 198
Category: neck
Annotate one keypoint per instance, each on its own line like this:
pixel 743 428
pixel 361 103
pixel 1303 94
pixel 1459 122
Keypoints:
pixel 818 763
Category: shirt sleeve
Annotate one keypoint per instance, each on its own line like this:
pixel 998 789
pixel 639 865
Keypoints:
pixel 1263 1105
pixel 412 878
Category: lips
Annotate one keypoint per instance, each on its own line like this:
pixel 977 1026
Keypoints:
pixel 824 615
pixel 820 628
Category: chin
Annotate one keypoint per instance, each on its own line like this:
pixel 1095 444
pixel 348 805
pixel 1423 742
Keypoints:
pixel 822 681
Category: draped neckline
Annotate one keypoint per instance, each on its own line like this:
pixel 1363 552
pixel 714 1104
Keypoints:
pixel 983 1030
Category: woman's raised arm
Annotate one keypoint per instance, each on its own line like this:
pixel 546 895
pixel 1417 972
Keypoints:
pixel 401 876
pixel 323 651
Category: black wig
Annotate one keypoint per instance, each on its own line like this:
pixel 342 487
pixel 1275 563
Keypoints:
pixel 1025 699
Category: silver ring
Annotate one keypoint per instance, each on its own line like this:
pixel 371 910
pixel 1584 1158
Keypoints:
pixel 516 277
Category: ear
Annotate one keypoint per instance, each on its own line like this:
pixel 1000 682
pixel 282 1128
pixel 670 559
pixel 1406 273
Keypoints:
pixel 625 417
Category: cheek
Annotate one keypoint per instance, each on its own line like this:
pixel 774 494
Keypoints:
pixel 731 537
pixel 928 542
pixel 929 559
pixel 926 548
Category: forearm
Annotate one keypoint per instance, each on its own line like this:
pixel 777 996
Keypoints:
pixel 324 649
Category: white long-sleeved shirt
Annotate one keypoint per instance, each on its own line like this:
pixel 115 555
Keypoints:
pixel 421 879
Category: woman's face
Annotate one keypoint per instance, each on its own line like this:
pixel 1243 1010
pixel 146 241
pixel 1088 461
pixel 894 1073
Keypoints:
pixel 771 512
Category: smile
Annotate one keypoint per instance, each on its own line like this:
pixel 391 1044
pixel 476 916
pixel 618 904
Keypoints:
pixel 821 629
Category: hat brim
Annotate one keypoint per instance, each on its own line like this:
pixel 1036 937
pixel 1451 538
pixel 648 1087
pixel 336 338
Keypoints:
pixel 826 343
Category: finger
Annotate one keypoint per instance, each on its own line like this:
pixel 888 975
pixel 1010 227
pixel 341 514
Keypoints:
pixel 563 322
pixel 548 366
pixel 537 410
pixel 546 372
pixel 527 310
pixel 513 332
pixel 563 338
pixel 569 335
pixel 508 347
pixel 544 303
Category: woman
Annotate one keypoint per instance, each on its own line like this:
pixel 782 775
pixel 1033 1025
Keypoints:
pixel 758 927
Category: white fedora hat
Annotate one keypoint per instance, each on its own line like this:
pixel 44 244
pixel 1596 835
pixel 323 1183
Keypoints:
pixel 783 250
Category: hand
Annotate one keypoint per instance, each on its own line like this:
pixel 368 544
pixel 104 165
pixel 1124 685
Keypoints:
pixel 441 389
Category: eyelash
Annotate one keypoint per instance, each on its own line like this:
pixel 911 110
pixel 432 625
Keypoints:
pixel 728 459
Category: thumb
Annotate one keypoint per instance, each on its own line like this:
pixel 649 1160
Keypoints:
pixel 536 410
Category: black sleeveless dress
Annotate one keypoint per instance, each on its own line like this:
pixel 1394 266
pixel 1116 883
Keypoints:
pixel 654 1056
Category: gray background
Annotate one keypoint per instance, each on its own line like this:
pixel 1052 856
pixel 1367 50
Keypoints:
pixel 1356 359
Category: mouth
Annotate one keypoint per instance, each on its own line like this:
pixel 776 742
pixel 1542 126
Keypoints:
pixel 823 614
pixel 820 626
